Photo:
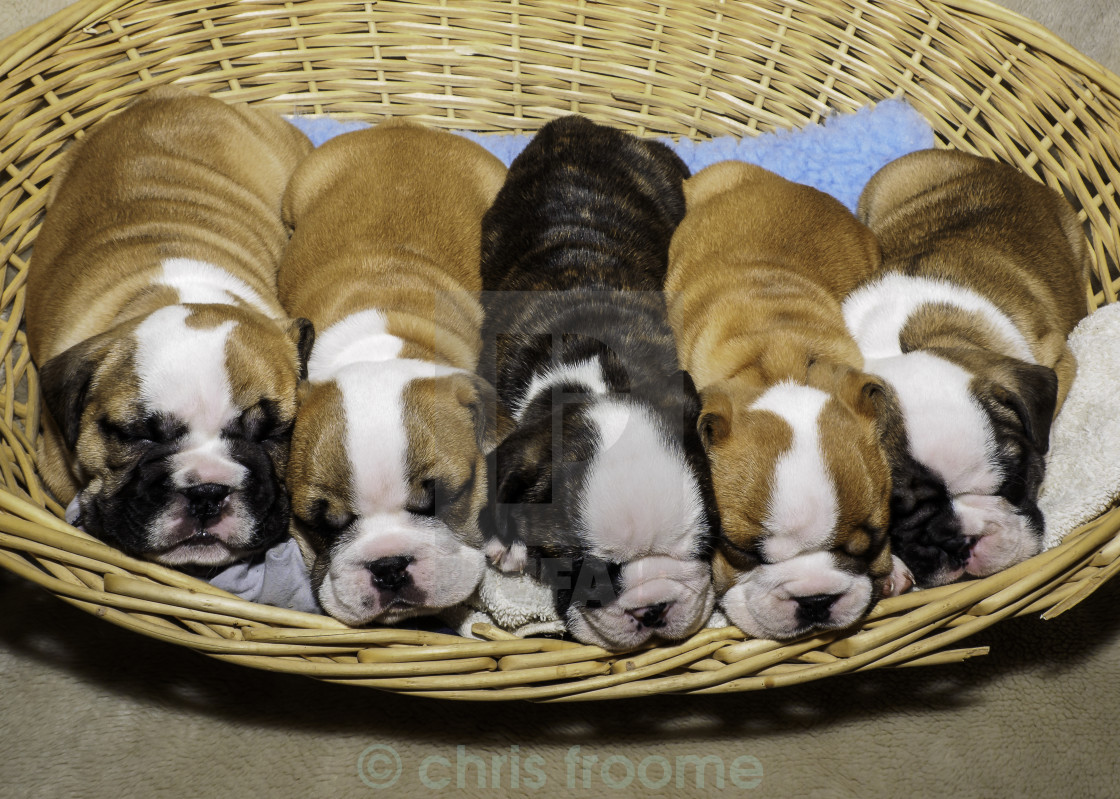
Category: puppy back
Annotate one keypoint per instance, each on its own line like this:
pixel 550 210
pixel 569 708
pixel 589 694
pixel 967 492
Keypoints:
pixel 983 224
pixel 742 212
pixel 398 186
pixel 757 271
pixel 173 175
pixel 389 219
pixel 584 204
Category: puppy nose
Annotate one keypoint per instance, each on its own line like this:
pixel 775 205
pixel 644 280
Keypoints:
pixel 651 616
pixel 390 573
pixel 815 608
pixel 205 500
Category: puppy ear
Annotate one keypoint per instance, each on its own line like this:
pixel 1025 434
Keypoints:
pixel 1033 400
pixel 514 469
pixel 302 334
pixel 866 394
pixel 64 383
pixel 872 396
pixel 491 423
pixel 714 424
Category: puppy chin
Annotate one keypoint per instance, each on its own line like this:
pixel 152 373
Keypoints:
pixel 441 572
pixel 681 588
pixel 1002 536
pixel 177 540
pixel 762 602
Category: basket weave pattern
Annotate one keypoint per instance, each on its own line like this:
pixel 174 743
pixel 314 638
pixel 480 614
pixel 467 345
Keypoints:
pixel 988 82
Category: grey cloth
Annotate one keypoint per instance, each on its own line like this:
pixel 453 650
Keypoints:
pixel 278 577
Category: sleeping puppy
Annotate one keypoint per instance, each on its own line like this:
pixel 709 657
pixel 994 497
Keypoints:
pixel 984 276
pixel 603 481
pixel 387 471
pixel 790 422
pixel 167 367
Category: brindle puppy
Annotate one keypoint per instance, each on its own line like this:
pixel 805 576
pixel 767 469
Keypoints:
pixel 604 480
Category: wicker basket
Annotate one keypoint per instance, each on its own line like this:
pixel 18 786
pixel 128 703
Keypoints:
pixel 989 82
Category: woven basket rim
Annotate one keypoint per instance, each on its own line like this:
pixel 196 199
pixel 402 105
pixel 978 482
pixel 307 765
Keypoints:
pixel 1029 31
pixel 913 629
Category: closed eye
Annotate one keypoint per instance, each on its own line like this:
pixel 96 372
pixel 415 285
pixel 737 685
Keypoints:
pixel 743 557
pixel 325 521
pixel 425 503
pixel 862 547
pixel 153 429
pixel 858 543
pixel 259 423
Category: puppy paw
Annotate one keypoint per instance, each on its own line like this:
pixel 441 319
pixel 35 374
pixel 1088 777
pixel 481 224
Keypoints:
pixel 511 558
pixel 900 580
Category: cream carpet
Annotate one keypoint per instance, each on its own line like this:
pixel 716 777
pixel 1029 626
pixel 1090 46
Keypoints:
pixel 88 710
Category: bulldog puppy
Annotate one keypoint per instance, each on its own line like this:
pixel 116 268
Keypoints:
pixel 790 422
pixel 387 471
pixel 603 482
pixel 168 369
pixel 983 278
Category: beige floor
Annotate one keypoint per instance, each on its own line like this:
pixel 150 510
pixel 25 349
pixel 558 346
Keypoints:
pixel 87 710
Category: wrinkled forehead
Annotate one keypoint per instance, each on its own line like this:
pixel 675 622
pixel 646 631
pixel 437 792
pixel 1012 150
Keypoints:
pixel 805 476
pixel 926 383
pixel 801 509
pixel 181 367
pixel 947 428
pixel 396 428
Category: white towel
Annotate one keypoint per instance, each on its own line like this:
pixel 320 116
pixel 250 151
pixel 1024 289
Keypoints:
pixel 1083 465
pixel 515 603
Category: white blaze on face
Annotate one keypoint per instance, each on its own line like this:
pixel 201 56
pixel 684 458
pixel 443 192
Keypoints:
pixel 642 507
pixel 182 374
pixel 800 523
pixel 359 338
pixel 442 570
pixel 802 512
pixel 949 432
pixel 640 496
pixel 182 369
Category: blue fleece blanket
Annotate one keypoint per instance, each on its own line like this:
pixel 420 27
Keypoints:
pixel 837 156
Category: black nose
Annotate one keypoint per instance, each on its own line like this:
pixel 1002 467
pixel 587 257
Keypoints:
pixel 815 608
pixel 390 573
pixel 651 616
pixel 205 500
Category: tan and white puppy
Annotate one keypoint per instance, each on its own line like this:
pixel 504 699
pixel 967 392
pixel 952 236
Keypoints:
pixel 388 472
pixel 756 272
pixel 167 366
pixel 984 276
